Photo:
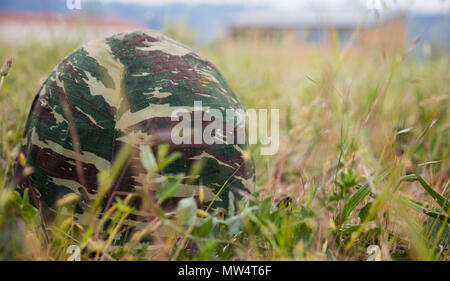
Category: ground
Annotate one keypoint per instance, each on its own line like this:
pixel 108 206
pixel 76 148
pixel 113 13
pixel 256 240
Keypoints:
pixel 362 171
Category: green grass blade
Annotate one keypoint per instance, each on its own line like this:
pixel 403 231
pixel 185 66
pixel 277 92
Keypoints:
pixel 354 201
pixel 427 211
pixel 443 202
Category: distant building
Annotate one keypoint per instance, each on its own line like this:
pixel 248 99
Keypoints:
pixel 48 27
pixel 365 31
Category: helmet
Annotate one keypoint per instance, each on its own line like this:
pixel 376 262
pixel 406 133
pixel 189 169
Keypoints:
pixel 122 92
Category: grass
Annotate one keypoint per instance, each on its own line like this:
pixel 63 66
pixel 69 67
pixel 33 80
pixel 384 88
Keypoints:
pixel 362 171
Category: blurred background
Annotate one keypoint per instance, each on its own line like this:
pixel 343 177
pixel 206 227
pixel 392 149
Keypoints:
pixel 388 23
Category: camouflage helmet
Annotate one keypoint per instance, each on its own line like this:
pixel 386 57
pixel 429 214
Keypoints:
pixel 121 92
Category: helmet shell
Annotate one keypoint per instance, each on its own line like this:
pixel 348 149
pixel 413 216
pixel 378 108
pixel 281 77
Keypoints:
pixel 121 91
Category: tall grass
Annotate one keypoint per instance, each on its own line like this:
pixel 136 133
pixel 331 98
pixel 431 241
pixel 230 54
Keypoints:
pixel 362 171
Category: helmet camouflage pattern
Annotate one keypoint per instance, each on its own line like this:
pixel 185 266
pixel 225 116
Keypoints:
pixel 121 91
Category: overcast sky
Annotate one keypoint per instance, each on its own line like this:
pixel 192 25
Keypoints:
pixel 421 6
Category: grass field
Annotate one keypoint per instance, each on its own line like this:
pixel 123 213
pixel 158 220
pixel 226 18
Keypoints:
pixel 362 171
